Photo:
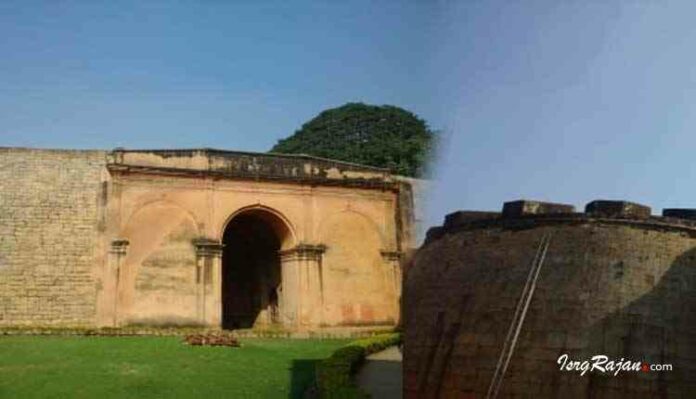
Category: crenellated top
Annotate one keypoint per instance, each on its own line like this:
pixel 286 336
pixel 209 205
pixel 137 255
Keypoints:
pixel 522 214
pixel 303 169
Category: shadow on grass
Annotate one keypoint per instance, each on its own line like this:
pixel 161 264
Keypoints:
pixel 301 376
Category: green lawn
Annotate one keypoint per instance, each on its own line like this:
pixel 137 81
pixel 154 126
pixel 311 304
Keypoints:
pixel 156 367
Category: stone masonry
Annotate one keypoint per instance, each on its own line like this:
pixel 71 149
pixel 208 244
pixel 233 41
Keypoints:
pixel 115 238
pixel 616 281
pixel 49 222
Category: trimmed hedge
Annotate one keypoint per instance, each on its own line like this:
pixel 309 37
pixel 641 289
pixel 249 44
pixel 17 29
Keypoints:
pixel 136 330
pixel 334 374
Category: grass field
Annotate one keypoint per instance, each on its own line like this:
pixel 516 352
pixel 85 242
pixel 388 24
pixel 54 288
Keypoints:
pixel 156 367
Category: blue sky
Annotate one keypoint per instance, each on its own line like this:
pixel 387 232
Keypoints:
pixel 557 101
pixel 567 103
pixel 190 74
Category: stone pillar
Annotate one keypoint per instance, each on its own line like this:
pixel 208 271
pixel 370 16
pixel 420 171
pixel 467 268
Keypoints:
pixel 117 254
pixel 301 296
pixel 392 262
pixel 208 282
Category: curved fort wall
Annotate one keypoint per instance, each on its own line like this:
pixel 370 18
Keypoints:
pixel 616 281
pixel 112 238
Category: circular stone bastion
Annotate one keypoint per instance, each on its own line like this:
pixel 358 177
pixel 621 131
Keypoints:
pixel 616 284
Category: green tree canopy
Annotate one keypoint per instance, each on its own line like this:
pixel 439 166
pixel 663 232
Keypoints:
pixel 384 136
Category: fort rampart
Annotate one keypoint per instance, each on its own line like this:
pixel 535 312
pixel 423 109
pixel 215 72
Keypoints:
pixel 49 226
pixel 615 281
pixel 113 238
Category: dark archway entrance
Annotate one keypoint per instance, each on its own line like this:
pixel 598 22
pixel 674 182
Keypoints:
pixel 251 274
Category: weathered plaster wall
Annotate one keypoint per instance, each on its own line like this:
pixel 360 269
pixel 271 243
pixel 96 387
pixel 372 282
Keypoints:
pixel 620 286
pixel 160 267
pixel 49 224
pixel 344 227
pixel 356 225
pixel 90 237
pixel 358 288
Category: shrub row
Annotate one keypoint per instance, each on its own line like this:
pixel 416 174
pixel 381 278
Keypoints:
pixel 334 375
pixel 181 330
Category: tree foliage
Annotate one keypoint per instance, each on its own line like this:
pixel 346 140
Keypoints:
pixel 384 136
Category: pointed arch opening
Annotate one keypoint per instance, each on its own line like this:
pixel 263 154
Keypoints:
pixel 251 272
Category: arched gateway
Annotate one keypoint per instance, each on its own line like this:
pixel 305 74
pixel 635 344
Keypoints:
pixel 240 240
pixel 251 268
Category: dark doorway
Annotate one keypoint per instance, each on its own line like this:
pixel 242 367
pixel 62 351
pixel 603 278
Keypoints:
pixel 250 271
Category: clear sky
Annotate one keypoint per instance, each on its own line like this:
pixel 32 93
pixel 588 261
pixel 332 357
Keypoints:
pixel 567 103
pixel 226 74
pixel 537 100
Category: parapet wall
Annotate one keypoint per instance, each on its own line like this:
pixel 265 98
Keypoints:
pixel 251 166
pixel 49 221
pixel 527 214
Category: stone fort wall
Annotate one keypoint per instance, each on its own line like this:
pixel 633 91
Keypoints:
pixel 616 281
pixel 108 238
pixel 49 222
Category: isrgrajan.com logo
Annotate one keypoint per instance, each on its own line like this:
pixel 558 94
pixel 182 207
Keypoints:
pixel 602 364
